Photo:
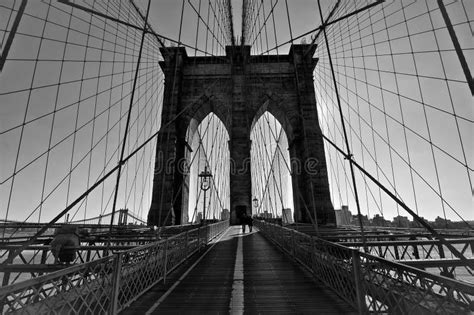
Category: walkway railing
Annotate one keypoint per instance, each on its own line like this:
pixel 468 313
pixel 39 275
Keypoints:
pixel 370 283
pixel 106 285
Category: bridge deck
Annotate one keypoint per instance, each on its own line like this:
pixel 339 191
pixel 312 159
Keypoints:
pixel 271 283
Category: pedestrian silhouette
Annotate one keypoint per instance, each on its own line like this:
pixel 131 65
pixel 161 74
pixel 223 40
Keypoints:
pixel 249 222
pixel 243 221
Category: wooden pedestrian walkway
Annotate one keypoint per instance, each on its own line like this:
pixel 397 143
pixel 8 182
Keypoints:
pixel 241 274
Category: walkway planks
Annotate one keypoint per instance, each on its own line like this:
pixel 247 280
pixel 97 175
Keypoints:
pixel 272 283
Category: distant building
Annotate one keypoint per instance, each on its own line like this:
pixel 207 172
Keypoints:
pixel 343 216
pixel 225 214
pixel 416 224
pixel 401 221
pixel 379 220
pixel 199 217
pixel 267 215
pixel 287 216
pixel 441 223
pixel 364 218
pixel 185 217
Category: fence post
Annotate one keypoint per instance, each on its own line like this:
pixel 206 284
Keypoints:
pixel 165 271
pixel 199 238
pixel 186 249
pixel 6 274
pixel 293 245
pixel 5 281
pixel 356 270
pixel 116 283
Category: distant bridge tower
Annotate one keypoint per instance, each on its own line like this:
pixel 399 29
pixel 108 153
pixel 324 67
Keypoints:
pixel 239 88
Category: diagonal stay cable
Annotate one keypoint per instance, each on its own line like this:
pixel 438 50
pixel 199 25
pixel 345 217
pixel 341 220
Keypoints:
pixel 454 250
pixel 98 182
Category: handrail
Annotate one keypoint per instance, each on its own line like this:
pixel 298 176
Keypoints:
pixel 369 283
pixel 410 242
pixel 110 284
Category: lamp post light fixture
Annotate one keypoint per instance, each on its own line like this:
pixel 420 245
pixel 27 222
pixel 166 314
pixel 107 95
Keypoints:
pixel 205 186
pixel 255 204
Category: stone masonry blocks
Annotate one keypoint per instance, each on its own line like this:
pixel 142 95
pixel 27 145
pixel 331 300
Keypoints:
pixel 239 88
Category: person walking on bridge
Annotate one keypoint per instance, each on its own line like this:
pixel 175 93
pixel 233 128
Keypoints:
pixel 246 220
pixel 243 221
pixel 249 222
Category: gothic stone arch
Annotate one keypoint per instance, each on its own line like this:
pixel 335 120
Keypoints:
pixel 239 88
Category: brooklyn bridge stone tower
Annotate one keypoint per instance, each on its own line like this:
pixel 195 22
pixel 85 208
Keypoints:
pixel 239 88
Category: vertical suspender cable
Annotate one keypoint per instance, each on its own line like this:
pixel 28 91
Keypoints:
pixel 135 80
pixel 349 155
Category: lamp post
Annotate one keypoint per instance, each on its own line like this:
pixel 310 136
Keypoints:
pixel 255 204
pixel 205 185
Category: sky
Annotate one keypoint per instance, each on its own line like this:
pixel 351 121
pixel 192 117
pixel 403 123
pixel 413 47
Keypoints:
pixel 416 68
pixel 394 89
